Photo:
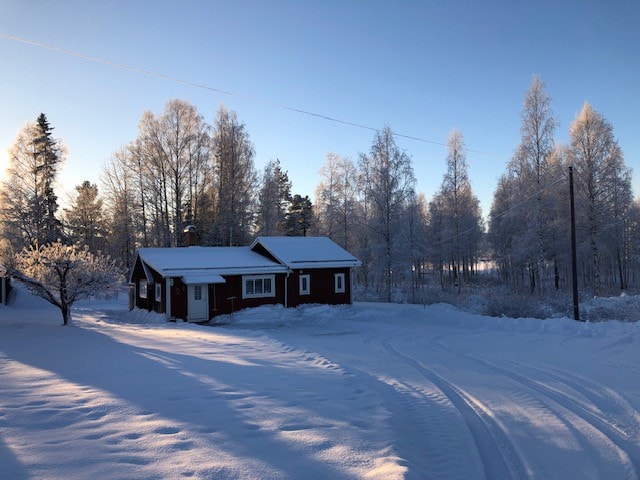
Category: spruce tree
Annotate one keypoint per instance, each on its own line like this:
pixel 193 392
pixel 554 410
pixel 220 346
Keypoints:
pixel 84 220
pixel 28 203
pixel 299 216
pixel 273 199
pixel 48 157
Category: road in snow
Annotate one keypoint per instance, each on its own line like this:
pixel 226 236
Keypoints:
pixel 369 391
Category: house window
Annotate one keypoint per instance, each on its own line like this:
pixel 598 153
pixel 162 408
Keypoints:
pixel 197 292
pixel 142 289
pixel 305 284
pixel 158 292
pixel 339 282
pixel 258 286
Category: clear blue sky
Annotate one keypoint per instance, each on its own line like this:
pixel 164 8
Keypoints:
pixel 421 67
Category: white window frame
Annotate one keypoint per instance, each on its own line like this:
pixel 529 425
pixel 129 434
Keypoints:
pixel 158 292
pixel 197 292
pixel 337 279
pixel 303 290
pixel 255 280
pixel 143 288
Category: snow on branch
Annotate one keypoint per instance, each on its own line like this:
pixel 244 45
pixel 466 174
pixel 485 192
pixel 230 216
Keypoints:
pixel 63 274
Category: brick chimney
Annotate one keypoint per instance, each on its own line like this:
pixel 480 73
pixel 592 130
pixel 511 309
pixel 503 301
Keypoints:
pixel 189 235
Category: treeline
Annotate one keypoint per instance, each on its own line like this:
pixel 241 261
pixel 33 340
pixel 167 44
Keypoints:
pixel 181 171
pixel 529 218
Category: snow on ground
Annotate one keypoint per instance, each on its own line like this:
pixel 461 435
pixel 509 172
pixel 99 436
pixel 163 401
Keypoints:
pixel 373 391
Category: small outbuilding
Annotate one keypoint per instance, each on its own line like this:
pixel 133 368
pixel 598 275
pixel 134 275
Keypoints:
pixel 197 283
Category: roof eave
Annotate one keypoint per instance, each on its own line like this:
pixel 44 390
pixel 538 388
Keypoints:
pixel 179 272
pixel 318 265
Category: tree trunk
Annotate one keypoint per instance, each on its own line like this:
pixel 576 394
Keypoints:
pixel 620 271
pixel 66 314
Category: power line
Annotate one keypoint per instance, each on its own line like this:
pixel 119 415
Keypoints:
pixel 162 76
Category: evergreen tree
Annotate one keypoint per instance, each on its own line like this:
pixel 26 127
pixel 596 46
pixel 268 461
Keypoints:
pixel 47 153
pixel 28 203
pixel 299 218
pixel 274 198
pixel 84 219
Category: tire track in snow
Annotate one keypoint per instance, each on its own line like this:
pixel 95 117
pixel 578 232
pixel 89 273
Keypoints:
pixel 626 448
pixel 499 457
pixel 424 434
pixel 606 400
pixel 418 414
pixel 625 367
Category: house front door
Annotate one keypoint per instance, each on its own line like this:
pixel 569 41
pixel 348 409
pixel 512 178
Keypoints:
pixel 198 305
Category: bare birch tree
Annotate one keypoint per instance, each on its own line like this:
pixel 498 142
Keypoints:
pixel 389 184
pixel 124 215
pixel 457 211
pixel 235 180
pixel 336 197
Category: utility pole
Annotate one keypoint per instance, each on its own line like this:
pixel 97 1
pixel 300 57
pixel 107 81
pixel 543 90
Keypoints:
pixel 574 262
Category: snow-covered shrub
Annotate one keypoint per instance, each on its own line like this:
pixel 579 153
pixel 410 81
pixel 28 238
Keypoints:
pixel 501 302
pixel 624 308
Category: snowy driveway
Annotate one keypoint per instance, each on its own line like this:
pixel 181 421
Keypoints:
pixel 372 391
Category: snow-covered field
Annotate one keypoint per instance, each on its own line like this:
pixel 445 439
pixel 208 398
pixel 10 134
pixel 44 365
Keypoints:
pixel 369 391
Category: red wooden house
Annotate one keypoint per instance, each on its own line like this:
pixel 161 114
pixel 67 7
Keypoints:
pixel 198 283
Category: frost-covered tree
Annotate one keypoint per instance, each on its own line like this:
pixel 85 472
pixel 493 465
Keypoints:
pixel 179 170
pixel 603 185
pixel 123 215
pixel 84 219
pixel 416 232
pixel 336 197
pixel 536 144
pixel 457 212
pixel 170 158
pixel 235 180
pixel 28 200
pixel 63 274
pixel 387 183
pixel 274 198
pixel 526 244
pixel 555 204
pixel 512 224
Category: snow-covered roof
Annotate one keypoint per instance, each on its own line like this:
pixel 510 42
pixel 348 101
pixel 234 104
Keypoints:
pixel 198 261
pixel 209 263
pixel 307 252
